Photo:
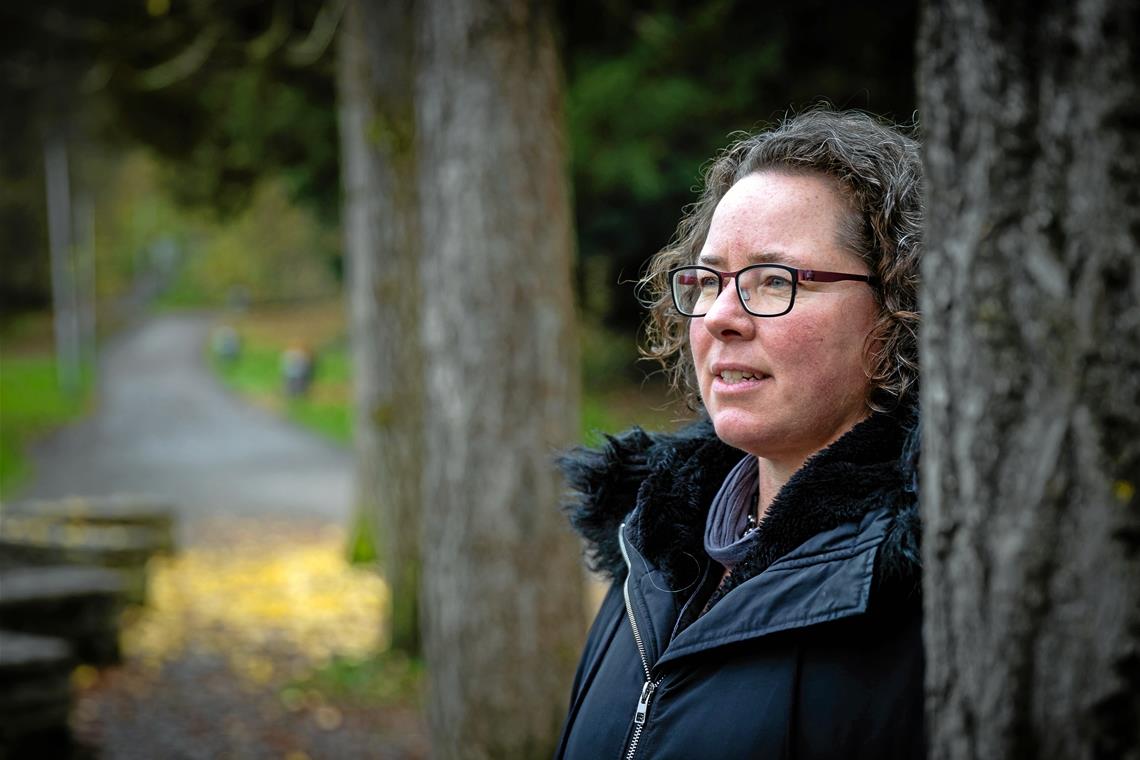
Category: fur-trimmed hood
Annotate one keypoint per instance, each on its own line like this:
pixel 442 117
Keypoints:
pixel 662 485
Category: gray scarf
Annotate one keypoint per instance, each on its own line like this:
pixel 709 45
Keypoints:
pixel 727 534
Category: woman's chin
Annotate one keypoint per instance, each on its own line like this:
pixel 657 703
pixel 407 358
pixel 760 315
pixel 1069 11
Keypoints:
pixel 741 430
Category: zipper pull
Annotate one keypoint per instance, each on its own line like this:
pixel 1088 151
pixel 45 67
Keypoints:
pixel 643 702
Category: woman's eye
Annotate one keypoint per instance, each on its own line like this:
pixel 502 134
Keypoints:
pixel 776 282
pixel 708 282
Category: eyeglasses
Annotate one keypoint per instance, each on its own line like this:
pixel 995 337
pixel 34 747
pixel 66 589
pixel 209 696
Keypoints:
pixel 765 290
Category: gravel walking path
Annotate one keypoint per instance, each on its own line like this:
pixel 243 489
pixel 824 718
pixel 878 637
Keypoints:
pixel 164 425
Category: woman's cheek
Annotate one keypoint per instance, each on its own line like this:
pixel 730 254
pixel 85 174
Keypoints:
pixel 698 350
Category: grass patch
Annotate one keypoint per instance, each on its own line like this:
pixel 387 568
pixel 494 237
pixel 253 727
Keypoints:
pixel 31 405
pixel 255 372
pixel 362 539
pixel 648 405
pixel 331 421
pixel 324 410
pixel 265 333
pixel 383 679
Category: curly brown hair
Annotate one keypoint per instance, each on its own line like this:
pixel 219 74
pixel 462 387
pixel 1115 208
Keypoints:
pixel 878 170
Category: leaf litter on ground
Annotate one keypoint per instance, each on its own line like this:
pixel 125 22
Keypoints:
pixel 258 640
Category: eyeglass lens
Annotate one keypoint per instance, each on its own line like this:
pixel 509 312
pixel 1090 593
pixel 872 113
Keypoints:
pixel 764 290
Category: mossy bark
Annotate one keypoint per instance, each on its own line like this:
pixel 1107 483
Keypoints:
pixel 382 252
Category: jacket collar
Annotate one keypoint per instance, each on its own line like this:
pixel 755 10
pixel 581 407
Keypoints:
pixel 844 525
pixel 661 486
pixel 827 578
pixel 668 479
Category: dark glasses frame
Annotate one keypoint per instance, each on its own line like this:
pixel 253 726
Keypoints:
pixel 796 276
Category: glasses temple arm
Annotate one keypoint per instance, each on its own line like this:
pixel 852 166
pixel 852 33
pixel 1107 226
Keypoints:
pixel 815 275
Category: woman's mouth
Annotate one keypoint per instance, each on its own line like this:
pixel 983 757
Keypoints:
pixel 739 378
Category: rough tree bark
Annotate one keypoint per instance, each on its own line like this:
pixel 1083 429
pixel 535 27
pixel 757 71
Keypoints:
pixel 1031 373
pixel 375 91
pixel 502 598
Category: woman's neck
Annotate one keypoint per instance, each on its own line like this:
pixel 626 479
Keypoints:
pixel 777 470
pixel 773 475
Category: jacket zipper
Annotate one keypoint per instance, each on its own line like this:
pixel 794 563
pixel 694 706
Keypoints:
pixel 642 714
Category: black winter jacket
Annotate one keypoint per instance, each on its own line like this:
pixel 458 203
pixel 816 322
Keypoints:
pixel 812 648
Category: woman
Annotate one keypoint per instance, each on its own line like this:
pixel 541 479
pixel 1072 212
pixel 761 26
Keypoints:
pixel 765 598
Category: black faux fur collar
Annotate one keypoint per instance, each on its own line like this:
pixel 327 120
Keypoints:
pixel 662 486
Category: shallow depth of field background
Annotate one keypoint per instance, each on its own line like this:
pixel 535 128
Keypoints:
pixel 205 256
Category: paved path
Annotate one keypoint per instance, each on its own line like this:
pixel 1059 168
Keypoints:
pixel 164 425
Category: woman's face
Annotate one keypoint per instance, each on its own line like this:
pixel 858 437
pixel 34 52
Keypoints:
pixel 808 385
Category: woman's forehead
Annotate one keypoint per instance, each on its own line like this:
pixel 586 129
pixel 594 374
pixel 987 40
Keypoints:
pixel 772 217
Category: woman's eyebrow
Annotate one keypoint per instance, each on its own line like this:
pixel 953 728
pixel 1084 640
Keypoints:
pixel 759 257
pixel 770 257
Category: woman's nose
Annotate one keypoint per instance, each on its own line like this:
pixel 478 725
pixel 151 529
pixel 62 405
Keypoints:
pixel 726 318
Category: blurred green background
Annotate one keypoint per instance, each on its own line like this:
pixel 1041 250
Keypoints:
pixel 204 159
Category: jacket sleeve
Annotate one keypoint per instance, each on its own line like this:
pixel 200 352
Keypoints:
pixel 606 622
pixel 598 639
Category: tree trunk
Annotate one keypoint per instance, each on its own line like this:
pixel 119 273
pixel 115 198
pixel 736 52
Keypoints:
pixel 375 86
pixel 1031 378
pixel 65 305
pixel 502 597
